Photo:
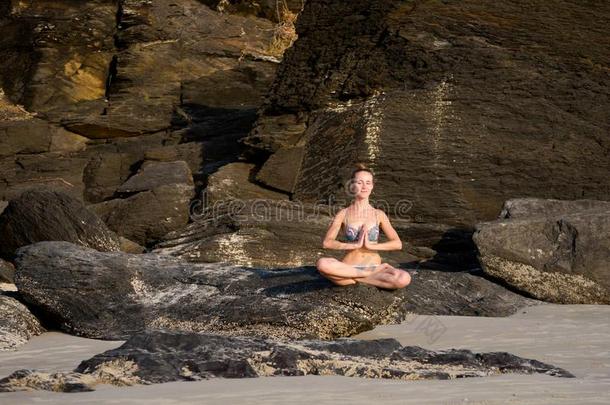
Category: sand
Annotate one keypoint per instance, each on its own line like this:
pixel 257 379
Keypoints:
pixel 575 337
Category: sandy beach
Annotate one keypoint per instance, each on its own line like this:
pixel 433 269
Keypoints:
pixel 574 337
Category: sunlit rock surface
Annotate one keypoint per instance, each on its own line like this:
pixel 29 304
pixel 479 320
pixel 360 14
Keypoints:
pixel 114 295
pixel 456 105
pixel 157 357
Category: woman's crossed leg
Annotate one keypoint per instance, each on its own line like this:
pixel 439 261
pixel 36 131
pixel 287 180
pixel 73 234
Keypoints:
pixel 380 275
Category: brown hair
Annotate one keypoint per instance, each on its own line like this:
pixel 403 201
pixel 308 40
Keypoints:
pixel 360 167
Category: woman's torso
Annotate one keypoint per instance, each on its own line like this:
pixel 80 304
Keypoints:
pixel 353 226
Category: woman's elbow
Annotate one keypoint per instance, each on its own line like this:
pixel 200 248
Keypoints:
pixel 398 244
pixel 326 244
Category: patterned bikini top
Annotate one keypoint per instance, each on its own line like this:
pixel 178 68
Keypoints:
pixel 353 233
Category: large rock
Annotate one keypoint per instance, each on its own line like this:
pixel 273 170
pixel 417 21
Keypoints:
pixel 113 295
pixel 155 174
pixel 232 182
pixel 456 105
pixel 157 357
pixel 39 215
pixel 147 216
pixel 234 230
pixel 17 324
pixel 159 202
pixel 553 250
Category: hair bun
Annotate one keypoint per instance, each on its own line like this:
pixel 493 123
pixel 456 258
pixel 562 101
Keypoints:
pixel 361 166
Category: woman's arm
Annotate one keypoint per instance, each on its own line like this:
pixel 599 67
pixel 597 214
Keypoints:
pixel 394 242
pixel 330 239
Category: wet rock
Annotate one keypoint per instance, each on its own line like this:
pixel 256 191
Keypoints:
pixel 42 214
pixel 556 251
pixel 413 90
pixel 17 324
pixel 157 356
pixel 232 181
pixel 112 295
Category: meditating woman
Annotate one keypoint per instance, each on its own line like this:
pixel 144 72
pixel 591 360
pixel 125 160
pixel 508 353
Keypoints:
pixel 362 221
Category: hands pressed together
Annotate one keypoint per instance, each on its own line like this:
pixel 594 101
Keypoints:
pixel 363 241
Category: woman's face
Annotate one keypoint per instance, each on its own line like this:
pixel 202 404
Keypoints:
pixel 362 184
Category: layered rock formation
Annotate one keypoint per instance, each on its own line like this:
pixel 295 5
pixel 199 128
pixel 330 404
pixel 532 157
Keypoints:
pixel 456 105
pixel 553 250
pixel 157 357
pixel 114 295
pixel 93 89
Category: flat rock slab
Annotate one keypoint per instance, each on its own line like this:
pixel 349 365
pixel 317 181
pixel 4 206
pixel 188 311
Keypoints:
pixel 161 356
pixel 17 324
pixel 112 295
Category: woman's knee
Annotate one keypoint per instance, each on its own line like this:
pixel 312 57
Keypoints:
pixel 322 264
pixel 403 279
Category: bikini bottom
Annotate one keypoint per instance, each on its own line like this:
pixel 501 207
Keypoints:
pixel 364 266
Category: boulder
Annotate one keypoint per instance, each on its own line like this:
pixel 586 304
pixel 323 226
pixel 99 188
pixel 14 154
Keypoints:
pixel 157 356
pixel 112 295
pixel 232 181
pixel 17 324
pixel 552 250
pixel 42 214
pixel 147 216
pixel 155 174
pixel 163 191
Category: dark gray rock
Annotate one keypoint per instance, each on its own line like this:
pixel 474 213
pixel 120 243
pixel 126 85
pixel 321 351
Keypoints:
pixel 552 250
pixel 43 215
pixel 113 295
pixel 157 357
pixel 17 324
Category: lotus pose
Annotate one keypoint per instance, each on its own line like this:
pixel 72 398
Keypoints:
pixel 362 263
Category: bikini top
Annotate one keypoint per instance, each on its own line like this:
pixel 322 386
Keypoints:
pixel 353 234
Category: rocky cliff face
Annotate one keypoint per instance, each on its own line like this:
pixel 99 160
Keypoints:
pixel 93 89
pixel 457 105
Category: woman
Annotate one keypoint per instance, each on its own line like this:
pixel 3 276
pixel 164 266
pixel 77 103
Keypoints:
pixel 362 263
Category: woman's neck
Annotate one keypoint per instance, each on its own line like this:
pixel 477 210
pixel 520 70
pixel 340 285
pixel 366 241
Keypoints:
pixel 361 205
